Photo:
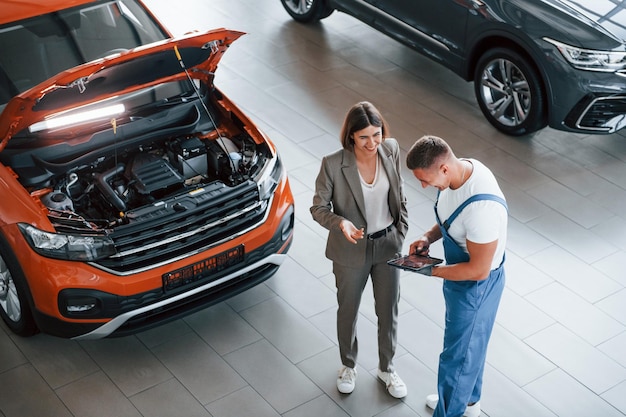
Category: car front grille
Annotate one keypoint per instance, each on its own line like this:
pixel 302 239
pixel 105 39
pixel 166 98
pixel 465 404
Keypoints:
pixel 184 225
pixel 604 114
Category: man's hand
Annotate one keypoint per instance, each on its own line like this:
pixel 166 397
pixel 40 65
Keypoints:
pixel 427 270
pixel 420 246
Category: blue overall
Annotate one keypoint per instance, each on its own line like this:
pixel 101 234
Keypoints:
pixel 471 308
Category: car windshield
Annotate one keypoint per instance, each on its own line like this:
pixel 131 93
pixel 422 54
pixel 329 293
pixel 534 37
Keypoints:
pixel 38 48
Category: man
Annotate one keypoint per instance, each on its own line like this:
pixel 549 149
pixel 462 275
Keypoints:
pixel 471 216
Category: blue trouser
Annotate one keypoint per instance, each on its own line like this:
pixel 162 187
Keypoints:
pixel 471 308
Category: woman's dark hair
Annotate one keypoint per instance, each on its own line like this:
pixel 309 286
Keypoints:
pixel 360 116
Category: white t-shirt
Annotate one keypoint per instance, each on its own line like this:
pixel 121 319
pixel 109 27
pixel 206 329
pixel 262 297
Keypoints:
pixel 481 221
pixel 376 196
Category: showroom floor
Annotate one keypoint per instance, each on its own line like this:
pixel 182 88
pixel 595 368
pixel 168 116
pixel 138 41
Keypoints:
pixel 559 344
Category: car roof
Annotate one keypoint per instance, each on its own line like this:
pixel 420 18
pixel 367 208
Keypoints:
pixel 15 10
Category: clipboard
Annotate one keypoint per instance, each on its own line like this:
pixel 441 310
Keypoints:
pixel 414 263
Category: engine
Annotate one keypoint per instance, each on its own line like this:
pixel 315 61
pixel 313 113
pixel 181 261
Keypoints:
pixel 105 193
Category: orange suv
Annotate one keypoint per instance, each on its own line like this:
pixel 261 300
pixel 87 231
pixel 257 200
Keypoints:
pixel 134 191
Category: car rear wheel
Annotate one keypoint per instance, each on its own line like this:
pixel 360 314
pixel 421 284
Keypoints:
pixel 307 10
pixel 508 91
pixel 14 307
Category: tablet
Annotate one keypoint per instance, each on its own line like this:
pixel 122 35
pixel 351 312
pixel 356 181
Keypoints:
pixel 414 263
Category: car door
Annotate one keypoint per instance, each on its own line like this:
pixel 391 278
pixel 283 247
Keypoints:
pixel 436 27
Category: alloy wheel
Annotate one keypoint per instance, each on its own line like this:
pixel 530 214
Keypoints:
pixel 9 299
pixel 299 7
pixel 505 92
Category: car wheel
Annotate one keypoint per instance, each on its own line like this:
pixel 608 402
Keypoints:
pixel 307 10
pixel 509 93
pixel 14 307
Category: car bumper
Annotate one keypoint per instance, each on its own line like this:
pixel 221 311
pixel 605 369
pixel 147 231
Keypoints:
pixel 169 309
pixel 584 101
pixel 129 314
pixel 598 114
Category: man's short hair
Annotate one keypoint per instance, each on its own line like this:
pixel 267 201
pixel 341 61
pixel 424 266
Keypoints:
pixel 426 151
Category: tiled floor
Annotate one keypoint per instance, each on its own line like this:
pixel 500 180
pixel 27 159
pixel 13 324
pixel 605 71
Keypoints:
pixel 559 345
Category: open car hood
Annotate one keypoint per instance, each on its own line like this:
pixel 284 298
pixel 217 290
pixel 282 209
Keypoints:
pixel 115 75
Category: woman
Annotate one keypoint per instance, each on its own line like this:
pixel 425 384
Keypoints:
pixel 359 198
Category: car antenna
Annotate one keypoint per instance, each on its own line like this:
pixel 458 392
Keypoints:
pixel 206 109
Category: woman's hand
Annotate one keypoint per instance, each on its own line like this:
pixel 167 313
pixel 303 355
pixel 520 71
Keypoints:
pixel 351 232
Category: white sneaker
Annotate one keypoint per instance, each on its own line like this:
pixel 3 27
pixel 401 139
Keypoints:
pixel 395 385
pixel 470 410
pixel 346 380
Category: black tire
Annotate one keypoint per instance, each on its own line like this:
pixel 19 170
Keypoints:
pixel 509 92
pixel 307 11
pixel 15 307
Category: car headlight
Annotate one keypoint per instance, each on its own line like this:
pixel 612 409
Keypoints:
pixel 67 247
pixel 270 177
pixel 589 59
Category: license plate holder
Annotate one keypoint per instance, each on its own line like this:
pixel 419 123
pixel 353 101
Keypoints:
pixel 202 270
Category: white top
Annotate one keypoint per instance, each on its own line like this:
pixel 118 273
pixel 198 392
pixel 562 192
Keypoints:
pixel 481 221
pixel 376 194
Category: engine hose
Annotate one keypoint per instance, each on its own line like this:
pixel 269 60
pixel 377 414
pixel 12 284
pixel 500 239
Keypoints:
pixel 107 190
pixel 73 180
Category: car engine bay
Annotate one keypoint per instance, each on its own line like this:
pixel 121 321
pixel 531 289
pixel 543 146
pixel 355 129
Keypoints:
pixel 110 181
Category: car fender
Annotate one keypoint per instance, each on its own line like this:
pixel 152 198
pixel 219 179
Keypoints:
pixel 502 35
pixel 20 206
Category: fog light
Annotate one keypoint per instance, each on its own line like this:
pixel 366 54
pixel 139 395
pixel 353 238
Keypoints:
pixel 287 224
pixel 81 305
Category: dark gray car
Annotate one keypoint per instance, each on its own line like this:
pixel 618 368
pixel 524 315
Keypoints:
pixel 534 63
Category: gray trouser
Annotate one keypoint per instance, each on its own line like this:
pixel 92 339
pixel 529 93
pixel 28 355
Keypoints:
pixel 350 281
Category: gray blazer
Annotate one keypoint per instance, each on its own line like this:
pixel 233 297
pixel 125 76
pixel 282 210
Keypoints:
pixel 338 195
